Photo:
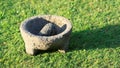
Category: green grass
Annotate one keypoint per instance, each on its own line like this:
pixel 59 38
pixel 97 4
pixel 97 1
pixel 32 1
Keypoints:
pixel 94 43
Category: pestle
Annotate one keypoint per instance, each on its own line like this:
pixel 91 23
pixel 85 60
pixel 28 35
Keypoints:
pixel 48 30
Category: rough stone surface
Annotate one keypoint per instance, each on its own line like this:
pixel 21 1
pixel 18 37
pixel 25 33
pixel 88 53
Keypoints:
pixel 33 41
pixel 48 30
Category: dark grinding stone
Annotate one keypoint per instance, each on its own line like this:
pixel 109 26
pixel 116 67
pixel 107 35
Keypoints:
pixel 48 30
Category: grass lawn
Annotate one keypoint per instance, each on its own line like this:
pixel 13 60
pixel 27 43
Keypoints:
pixel 94 43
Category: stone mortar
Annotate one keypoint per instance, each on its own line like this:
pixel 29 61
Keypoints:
pixel 33 41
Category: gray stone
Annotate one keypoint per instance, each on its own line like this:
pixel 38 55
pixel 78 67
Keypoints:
pixel 48 30
pixel 33 41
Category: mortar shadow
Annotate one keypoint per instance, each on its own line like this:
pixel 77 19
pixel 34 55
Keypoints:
pixel 106 37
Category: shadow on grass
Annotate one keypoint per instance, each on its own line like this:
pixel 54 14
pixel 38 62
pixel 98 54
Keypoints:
pixel 106 37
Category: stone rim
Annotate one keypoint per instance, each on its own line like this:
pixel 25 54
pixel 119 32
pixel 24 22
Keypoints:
pixel 67 30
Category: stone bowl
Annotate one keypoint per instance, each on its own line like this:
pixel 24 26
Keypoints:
pixel 30 28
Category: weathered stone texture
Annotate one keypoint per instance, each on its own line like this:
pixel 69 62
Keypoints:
pixel 57 39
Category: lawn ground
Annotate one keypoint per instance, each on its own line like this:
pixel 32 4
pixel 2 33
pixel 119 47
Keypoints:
pixel 94 43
